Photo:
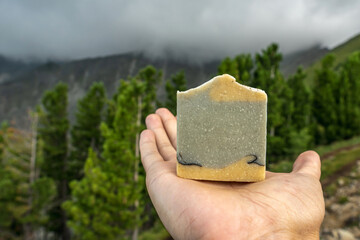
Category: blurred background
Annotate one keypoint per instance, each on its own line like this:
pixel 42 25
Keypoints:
pixel 78 78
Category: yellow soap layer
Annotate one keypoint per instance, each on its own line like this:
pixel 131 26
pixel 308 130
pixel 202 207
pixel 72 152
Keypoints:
pixel 226 89
pixel 240 171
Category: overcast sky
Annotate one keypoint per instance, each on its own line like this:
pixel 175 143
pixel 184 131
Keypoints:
pixel 201 29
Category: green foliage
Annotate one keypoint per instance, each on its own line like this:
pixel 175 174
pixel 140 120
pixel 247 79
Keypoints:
pixel 157 232
pixel 177 83
pixel 101 205
pixel 86 131
pixel 343 199
pixel 267 77
pixel 289 102
pixel 43 190
pixel 267 67
pixel 7 197
pixel 1 144
pixel 240 68
pixel 330 166
pixel 324 102
pixel 3 127
pixel 347 97
pixel 244 66
pixel 24 197
pixel 298 142
pixel 297 117
pixel 150 77
pixel 343 51
pixel 336 146
pixel 331 189
pixel 336 105
pixel 54 126
pixel 296 111
pixel 53 129
pixel 109 201
pixel 228 66
pixel 300 117
pixel 281 166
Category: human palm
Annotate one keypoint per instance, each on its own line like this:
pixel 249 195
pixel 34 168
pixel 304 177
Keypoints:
pixel 283 206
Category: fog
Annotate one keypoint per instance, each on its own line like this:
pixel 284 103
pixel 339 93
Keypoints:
pixel 198 30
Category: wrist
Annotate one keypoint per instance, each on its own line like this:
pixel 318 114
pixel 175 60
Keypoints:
pixel 289 235
pixel 280 231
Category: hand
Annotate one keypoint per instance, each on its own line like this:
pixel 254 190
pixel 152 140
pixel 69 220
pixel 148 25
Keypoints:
pixel 283 206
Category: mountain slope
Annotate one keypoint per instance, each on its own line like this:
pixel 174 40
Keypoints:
pixel 304 58
pixel 9 68
pixel 24 92
pixel 22 85
pixel 344 50
pixel 341 52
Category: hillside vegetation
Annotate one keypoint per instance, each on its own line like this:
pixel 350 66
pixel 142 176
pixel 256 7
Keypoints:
pixel 83 179
pixel 340 52
pixel 24 90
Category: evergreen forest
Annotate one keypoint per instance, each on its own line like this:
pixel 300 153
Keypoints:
pixel 84 180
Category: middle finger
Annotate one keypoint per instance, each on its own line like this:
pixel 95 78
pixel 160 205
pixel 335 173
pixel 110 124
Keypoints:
pixel 167 151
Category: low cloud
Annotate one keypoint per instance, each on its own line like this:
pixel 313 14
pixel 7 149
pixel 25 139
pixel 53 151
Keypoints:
pixel 198 30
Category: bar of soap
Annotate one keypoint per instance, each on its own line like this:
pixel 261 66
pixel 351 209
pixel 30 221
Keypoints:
pixel 221 132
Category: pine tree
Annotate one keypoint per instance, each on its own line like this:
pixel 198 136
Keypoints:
pixel 149 77
pixel 229 66
pixel 353 67
pixel 102 204
pixel 86 131
pixel 302 108
pixel 345 108
pixel 245 65
pixel 8 193
pixel 299 138
pixel 54 126
pixel 240 68
pixel 177 83
pixel 267 77
pixel 286 130
pixel 324 107
pixel 347 95
pixel 115 210
pixel 25 195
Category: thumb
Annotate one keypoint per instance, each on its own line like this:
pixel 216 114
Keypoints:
pixel 308 163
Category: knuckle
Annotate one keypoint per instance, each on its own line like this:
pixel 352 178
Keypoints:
pixel 161 111
pixel 151 118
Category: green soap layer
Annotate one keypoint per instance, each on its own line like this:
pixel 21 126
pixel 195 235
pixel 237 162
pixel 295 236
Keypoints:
pixel 216 134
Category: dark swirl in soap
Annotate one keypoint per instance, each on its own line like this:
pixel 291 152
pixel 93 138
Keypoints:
pixel 182 162
pixel 254 160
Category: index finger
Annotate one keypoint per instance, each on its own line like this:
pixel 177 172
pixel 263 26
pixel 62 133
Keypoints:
pixel 148 150
pixel 169 121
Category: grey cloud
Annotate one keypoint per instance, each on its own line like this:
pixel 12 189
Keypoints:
pixel 186 29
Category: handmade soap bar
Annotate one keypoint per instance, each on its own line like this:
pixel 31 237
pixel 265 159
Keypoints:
pixel 221 131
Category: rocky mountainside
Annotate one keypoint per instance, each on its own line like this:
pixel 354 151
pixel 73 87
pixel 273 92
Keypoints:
pixel 24 91
pixel 10 68
pixel 304 58
pixel 22 84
